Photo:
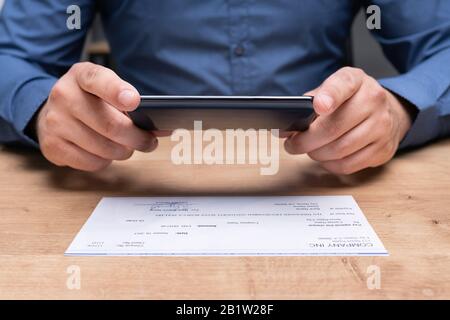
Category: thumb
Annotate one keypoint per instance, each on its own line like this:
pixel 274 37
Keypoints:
pixel 311 93
pixel 316 102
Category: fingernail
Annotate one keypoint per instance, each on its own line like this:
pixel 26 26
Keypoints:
pixel 127 97
pixel 326 101
pixel 289 144
pixel 151 146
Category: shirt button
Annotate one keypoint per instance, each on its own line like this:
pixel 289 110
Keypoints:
pixel 239 50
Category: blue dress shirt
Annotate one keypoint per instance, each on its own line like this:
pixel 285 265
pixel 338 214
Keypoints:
pixel 224 47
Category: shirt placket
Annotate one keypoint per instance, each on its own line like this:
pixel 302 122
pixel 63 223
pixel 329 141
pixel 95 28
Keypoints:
pixel 239 46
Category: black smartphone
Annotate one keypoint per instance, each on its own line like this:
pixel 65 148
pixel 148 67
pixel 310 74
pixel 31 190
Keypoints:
pixel 293 113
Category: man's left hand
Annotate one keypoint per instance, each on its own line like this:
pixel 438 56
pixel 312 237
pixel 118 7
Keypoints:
pixel 359 125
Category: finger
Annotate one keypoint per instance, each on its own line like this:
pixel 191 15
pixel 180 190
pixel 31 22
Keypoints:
pixel 337 89
pixel 326 129
pixel 287 134
pixel 162 133
pixel 370 156
pixel 107 85
pixel 311 93
pixel 64 153
pixel 362 135
pixel 81 135
pixel 113 124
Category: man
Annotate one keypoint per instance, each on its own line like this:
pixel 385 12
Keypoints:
pixel 74 111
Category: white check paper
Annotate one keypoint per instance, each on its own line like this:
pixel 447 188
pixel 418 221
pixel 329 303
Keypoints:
pixel 227 226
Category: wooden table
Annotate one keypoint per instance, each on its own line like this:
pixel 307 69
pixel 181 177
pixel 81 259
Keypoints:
pixel 43 207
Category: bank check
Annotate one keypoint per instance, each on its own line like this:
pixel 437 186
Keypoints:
pixel 227 226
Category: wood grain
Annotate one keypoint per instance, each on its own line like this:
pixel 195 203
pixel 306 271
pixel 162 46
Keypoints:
pixel 43 207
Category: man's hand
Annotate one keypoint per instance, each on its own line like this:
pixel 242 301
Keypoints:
pixel 82 125
pixel 359 125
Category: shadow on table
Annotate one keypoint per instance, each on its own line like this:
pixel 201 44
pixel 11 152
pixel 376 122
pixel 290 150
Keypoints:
pixel 305 179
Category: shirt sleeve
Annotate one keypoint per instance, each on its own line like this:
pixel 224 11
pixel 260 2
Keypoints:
pixel 415 36
pixel 36 48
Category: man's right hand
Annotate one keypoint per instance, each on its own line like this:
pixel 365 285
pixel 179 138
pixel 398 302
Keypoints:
pixel 82 125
